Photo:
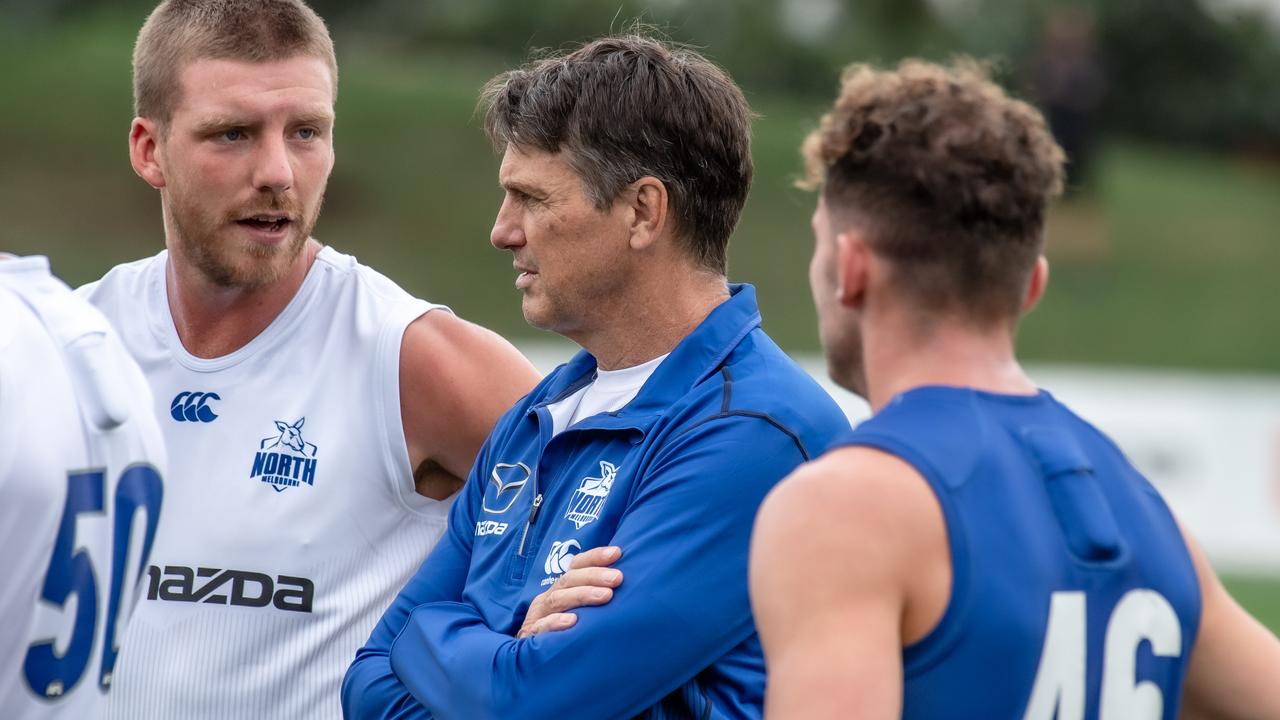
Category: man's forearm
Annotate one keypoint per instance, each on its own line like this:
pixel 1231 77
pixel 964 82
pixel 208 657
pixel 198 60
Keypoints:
pixel 622 658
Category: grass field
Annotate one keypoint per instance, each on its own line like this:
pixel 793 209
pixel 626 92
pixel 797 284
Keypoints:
pixel 1170 262
pixel 1260 596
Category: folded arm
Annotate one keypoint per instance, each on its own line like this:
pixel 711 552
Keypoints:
pixel 683 604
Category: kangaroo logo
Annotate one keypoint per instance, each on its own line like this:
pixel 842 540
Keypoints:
pixel 584 506
pixel 285 460
pixel 290 437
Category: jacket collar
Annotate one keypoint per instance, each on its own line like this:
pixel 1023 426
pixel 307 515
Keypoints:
pixel 693 360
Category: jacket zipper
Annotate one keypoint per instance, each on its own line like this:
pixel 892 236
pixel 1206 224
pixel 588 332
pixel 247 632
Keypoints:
pixel 533 515
pixel 544 417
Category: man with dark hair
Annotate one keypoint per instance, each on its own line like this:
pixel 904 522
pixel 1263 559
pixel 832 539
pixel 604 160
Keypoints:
pixel 626 163
pixel 995 555
pixel 319 418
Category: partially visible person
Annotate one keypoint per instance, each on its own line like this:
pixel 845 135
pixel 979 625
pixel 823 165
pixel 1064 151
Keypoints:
pixel 81 488
pixel 319 417
pixel 1069 84
pixel 975 549
pixel 630 476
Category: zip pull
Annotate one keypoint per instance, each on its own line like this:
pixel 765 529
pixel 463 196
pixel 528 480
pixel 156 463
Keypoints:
pixel 533 515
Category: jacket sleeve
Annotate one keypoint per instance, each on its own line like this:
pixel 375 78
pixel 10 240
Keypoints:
pixel 682 604
pixel 370 688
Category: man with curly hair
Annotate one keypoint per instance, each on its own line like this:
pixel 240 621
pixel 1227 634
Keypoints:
pixel 975 549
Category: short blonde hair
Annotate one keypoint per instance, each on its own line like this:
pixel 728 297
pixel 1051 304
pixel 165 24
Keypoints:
pixel 180 31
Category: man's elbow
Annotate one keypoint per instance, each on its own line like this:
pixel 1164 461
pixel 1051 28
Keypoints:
pixel 371 691
pixel 354 691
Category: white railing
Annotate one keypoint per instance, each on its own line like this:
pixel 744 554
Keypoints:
pixel 1209 442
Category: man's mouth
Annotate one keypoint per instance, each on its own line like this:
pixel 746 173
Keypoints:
pixel 267 222
pixel 525 277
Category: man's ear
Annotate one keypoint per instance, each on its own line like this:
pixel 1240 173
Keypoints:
pixel 648 217
pixel 1036 286
pixel 144 139
pixel 853 267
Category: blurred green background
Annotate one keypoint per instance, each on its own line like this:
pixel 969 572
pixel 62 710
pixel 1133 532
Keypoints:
pixel 1164 255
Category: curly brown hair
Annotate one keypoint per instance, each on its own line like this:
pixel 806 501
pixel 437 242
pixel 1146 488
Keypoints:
pixel 948 176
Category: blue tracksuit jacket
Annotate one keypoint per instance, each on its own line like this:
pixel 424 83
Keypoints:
pixel 674 479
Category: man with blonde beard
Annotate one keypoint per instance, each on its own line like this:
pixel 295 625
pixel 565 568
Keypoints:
pixel 318 417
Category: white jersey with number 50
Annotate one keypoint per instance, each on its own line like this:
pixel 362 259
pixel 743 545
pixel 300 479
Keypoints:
pixel 80 492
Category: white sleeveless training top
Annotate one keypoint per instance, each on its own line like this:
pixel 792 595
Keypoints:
pixel 290 518
pixel 81 461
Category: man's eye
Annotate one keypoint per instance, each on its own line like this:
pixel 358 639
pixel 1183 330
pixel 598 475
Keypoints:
pixel 232 135
pixel 307 133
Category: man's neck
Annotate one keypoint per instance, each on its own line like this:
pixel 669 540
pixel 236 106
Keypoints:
pixel 655 317
pixel 213 321
pixel 900 357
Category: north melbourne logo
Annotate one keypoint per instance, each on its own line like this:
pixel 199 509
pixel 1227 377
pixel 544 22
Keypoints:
pixel 584 506
pixel 285 460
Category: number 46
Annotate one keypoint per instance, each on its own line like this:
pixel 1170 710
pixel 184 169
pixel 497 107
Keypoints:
pixel 1141 615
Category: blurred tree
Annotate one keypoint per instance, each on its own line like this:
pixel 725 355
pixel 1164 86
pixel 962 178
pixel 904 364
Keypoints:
pixel 1178 74
pixel 1174 71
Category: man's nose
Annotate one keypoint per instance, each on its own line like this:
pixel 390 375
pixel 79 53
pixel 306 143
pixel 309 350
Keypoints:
pixel 507 233
pixel 273 169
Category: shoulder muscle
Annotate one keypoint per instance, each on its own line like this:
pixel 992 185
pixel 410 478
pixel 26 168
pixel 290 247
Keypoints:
pixel 456 380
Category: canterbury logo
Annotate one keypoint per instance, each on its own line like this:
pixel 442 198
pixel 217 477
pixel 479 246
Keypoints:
pixel 560 559
pixel 190 406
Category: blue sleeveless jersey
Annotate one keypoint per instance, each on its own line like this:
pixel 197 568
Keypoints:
pixel 1073 593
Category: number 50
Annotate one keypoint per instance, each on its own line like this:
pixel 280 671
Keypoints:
pixel 71 573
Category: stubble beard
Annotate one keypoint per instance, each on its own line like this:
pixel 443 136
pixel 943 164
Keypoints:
pixel 231 262
pixel 845 363
pixel 569 312
pixel 545 313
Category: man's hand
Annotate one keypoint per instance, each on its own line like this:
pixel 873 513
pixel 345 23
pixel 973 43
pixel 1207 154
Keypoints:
pixel 590 581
